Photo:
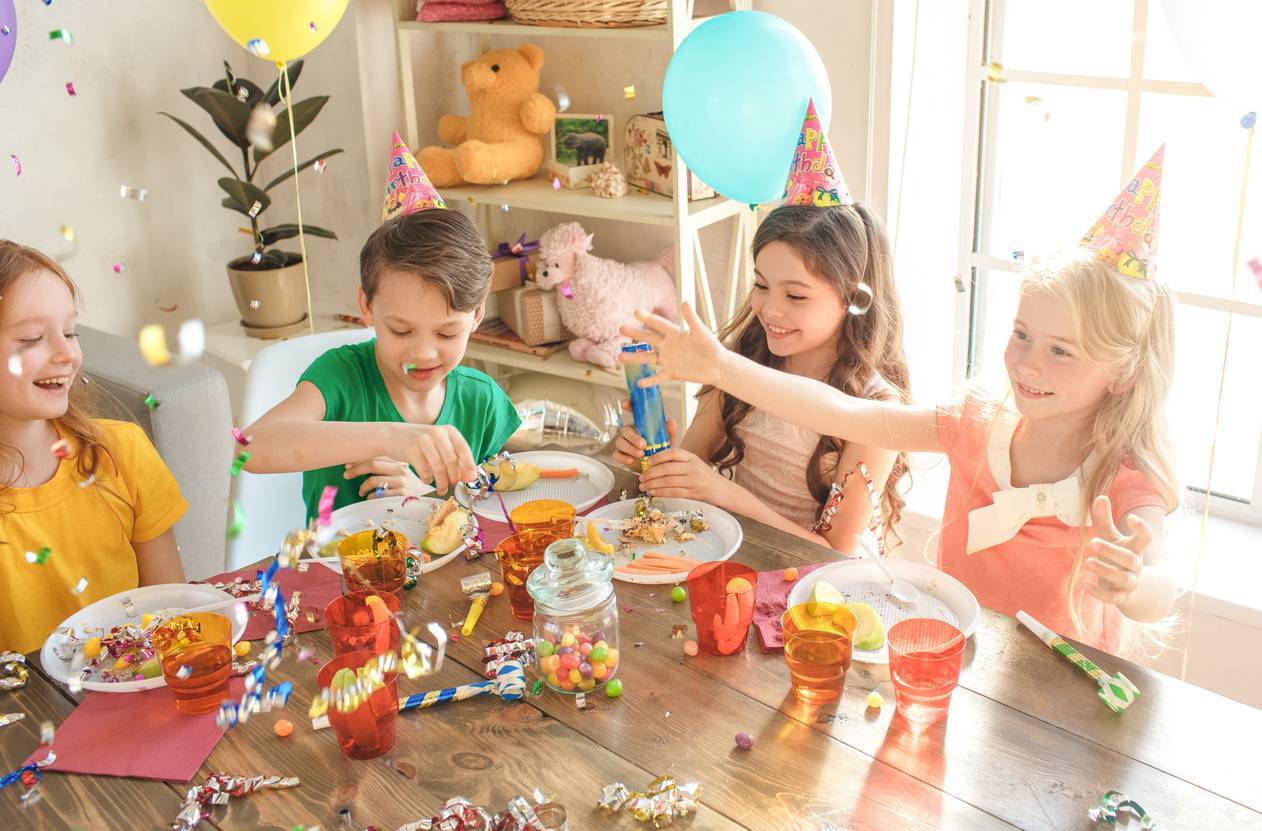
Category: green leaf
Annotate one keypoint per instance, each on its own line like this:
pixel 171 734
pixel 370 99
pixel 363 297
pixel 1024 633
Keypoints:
pixel 214 151
pixel 304 112
pixel 274 91
pixel 308 163
pixel 229 114
pixel 243 195
pixel 276 233
pixel 253 94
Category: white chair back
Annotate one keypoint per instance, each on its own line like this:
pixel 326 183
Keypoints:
pixel 272 502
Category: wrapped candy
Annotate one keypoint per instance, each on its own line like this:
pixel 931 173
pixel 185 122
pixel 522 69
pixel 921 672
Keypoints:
pixel 13 671
pixel 458 814
pixel 661 803
pixel 1114 803
pixel 217 790
pixel 514 646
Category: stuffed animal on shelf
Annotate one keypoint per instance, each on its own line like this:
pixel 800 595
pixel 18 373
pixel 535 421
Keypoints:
pixel 598 295
pixel 502 137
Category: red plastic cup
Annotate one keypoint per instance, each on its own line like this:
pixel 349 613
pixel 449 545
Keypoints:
pixel 352 627
pixel 519 555
pixel 925 659
pixel 367 731
pixel 721 597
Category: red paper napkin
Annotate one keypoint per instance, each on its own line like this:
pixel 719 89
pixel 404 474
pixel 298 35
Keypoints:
pixel 137 734
pixel 771 597
pixel 319 585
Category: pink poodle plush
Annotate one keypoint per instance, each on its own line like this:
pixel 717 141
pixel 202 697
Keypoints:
pixel 598 295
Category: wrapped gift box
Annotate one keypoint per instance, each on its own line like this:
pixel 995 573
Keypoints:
pixel 531 313
pixel 512 270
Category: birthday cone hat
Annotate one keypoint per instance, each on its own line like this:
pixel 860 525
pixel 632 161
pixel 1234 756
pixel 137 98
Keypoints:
pixel 1126 236
pixel 408 189
pixel 815 178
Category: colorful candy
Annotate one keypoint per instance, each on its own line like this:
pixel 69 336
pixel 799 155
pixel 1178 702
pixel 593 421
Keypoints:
pixel 690 648
pixel 744 741
pixel 679 594
pixel 790 574
pixel 283 727
pixel 875 700
pixel 613 689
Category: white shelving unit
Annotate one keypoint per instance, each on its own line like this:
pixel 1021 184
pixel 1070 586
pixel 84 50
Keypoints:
pixel 684 217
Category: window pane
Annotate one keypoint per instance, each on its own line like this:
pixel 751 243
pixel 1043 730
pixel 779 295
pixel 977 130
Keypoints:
pixel 1077 37
pixel 1057 164
pixel 1163 61
pixel 993 326
pixel 1201 193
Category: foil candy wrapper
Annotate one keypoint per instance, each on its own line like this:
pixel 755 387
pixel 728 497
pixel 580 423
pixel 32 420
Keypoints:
pixel 1114 803
pixel 217 790
pixel 13 671
pixel 661 803
pixel 458 814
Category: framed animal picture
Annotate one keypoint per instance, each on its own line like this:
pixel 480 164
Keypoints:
pixel 577 144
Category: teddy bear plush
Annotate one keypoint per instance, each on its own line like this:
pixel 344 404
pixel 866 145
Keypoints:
pixel 501 138
pixel 599 295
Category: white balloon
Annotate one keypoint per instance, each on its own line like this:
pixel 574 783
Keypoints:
pixel 1219 39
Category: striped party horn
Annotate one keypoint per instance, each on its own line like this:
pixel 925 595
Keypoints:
pixel 509 684
pixel 1117 692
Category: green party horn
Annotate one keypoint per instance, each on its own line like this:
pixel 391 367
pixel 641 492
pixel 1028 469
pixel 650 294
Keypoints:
pixel 1116 691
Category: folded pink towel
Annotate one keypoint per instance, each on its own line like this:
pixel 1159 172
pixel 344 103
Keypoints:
pixel 445 12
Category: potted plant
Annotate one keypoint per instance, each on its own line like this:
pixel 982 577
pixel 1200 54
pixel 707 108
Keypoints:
pixel 267 284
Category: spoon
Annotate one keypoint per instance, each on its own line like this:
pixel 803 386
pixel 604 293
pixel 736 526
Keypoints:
pixel 900 589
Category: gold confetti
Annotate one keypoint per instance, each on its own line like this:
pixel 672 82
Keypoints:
pixel 629 92
pixel 67 233
pixel 994 73
pixel 153 345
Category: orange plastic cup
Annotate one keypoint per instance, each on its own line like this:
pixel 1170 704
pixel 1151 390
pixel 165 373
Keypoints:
pixel 195 651
pixel 818 645
pixel 544 515
pixel 374 561
pixel 519 555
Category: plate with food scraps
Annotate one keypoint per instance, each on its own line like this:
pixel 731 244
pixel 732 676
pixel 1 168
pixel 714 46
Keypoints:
pixel 63 654
pixel 411 516
pixel 861 581
pixel 658 541
pixel 540 474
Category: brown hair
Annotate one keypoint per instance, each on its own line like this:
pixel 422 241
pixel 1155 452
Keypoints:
pixel 16 261
pixel 442 247
pixel 843 245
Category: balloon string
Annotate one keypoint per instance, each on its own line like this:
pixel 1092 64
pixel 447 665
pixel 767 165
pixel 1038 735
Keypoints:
pixel 293 147
pixel 1218 406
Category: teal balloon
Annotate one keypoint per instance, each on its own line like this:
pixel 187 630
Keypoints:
pixel 734 99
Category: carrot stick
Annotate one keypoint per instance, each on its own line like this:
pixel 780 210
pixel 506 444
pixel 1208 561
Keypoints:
pixel 561 473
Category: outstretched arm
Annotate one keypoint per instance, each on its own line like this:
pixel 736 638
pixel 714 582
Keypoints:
pixel 1128 564
pixel 695 354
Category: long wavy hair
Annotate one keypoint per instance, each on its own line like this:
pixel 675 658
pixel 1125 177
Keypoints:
pixel 16 261
pixel 843 246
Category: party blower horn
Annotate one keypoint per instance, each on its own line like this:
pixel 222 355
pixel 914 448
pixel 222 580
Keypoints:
pixel 477 587
pixel 1117 692
pixel 509 684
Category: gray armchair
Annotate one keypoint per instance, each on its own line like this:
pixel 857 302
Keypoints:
pixel 191 428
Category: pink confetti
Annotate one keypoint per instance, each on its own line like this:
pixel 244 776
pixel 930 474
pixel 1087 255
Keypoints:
pixel 1256 267
pixel 240 438
pixel 556 183
pixel 70 88
pixel 313 27
pixel 326 504
pixel 408 499
pixel 120 268
pixel 320 165
pixel 17 165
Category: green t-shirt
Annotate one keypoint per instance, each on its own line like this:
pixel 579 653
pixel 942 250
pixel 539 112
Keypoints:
pixel 354 390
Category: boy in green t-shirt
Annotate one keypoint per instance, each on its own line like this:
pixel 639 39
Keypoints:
pixel 381 417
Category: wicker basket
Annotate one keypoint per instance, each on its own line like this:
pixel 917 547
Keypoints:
pixel 589 14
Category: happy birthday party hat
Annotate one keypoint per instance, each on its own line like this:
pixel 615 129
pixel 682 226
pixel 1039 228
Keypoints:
pixel 408 189
pixel 1125 237
pixel 815 178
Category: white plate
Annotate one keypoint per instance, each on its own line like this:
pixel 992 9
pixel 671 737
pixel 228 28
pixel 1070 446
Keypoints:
pixel 593 482
pixel 718 542
pixel 860 580
pixel 109 612
pixel 410 520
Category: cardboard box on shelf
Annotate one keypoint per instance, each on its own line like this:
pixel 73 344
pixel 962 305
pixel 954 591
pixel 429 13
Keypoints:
pixel 532 314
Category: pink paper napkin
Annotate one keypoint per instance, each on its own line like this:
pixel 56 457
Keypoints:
pixel 319 585
pixel 771 597
pixel 137 734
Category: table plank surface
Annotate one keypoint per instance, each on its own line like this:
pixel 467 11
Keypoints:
pixel 1026 744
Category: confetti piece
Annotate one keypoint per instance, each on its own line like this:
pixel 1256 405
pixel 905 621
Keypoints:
pixel 1033 99
pixel 153 345
pixel 38 558
pixel 580 701
pixel 312 26
pixel 629 92
pixel 151 402
pixel 5 30
pixel 678 631
pixel 192 339
pixel 255 304
pixel 556 183
pixel 70 88
pixel 256 259
pixel 17 165
pixel 1018 256
pixel 67 233
pixel 503 207
pixel 239 437
pixel 61 34
pixel 1248 120
pixel 60 448
pixel 15 365
pixel 80 586
pixel 242 94
pixel 89 481
pixel 562 98
pixel 238 522
pixel 255 208
pixel 120 268
pixel 257 47
pixel 169 309
pixel 184 672
pixel 537 688
pixel 239 463
pixel 599 118
pixel 325 509
pixel 139 194
pixel 408 368
pixel 46 731
pixel 320 166
pixel 994 73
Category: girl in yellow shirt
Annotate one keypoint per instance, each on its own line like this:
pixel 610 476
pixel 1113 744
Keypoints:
pixel 86 505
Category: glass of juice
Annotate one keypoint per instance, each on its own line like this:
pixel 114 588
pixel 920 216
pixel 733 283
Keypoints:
pixel 818 643
pixel 374 561
pixel 925 659
pixel 195 651
pixel 363 622
pixel 367 731
pixel 519 555
pixel 544 515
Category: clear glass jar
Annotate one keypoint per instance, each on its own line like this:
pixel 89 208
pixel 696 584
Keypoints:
pixel 576 617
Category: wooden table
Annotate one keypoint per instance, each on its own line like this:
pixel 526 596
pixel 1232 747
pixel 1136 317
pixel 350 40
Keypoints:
pixel 1027 743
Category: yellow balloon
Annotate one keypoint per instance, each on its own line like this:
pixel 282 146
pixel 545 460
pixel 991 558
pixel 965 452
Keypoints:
pixel 279 30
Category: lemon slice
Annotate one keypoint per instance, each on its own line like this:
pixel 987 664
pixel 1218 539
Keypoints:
pixel 871 632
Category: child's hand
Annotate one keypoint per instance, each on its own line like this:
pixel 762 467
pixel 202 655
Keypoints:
pixel 438 454
pixel 681 473
pixel 1116 559
pixel 680 354
pixel 629 445
pixel 393 477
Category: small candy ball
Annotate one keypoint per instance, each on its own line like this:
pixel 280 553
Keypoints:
pixel 690 647
pixel 568 639
pixel 599 671
pixel 545 648
pixel 553 679
pixel 587 685
pixel 614 688
pixel 598 653
pixel 600 642
pixel 586 671
pixel 567 684
pixel 679 594
pixel 790 574
pixel 575 676
pixel 283 727
pixel 611 660
pixel 585 649
pixel 875 700
pixel 564 650
pixel 28 778
pixel 242 648
pixel 598 638
pixel 582 639
pixel 744 741
pixel 497 588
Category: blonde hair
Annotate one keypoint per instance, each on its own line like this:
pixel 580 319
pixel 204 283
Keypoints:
pixel 1125 325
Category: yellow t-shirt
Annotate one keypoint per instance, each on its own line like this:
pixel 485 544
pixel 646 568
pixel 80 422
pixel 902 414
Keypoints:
pixel 89 527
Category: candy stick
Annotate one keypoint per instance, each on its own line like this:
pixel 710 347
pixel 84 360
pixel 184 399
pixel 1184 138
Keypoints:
pixel 1117 691
pixel 509 684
